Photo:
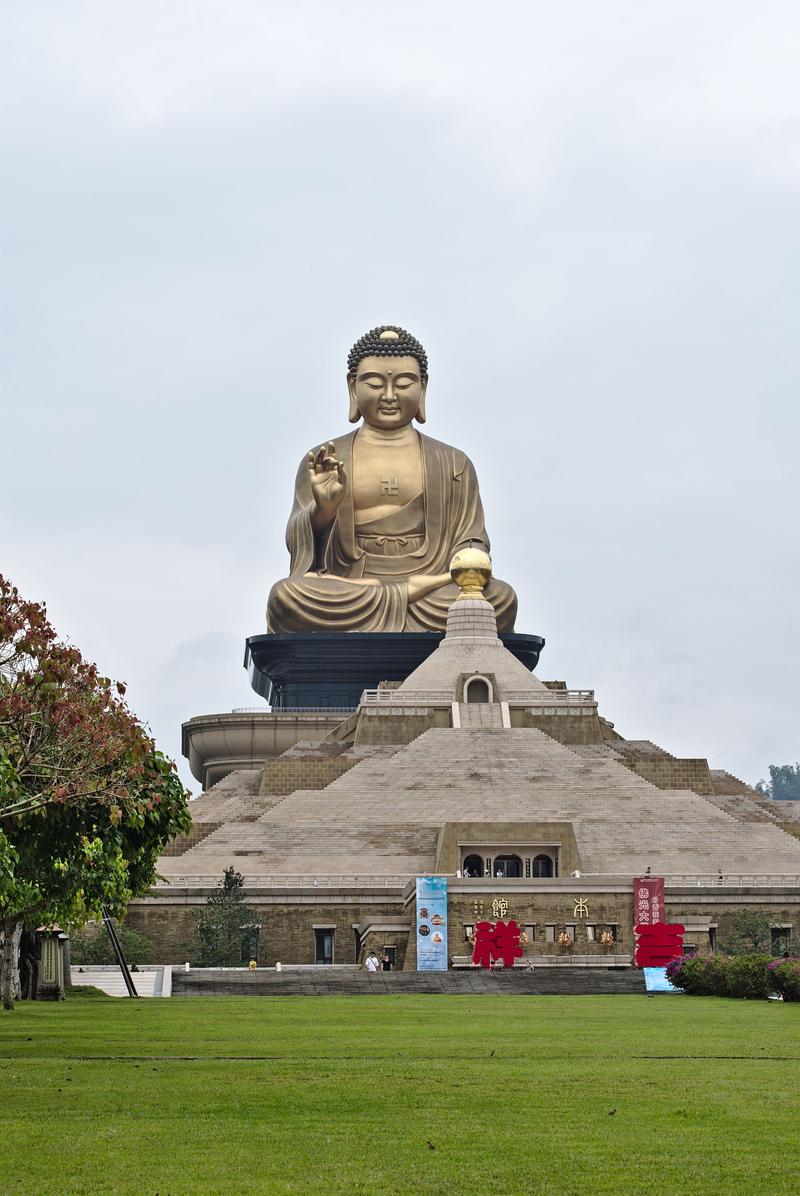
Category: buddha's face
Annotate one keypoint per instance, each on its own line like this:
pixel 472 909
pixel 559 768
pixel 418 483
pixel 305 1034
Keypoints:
pixel 387 391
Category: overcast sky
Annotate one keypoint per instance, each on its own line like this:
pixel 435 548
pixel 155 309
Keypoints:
pixel 588 213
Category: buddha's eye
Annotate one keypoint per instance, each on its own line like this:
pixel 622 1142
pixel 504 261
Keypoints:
pixel 375 385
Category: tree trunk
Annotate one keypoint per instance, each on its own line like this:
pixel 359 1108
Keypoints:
pixel 9 980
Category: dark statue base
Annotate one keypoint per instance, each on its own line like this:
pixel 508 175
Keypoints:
pixel 331 669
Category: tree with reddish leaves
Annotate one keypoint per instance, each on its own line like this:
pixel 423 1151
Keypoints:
pixel 87 803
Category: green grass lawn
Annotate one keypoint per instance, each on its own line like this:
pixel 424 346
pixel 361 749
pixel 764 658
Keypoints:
pixel 424 1094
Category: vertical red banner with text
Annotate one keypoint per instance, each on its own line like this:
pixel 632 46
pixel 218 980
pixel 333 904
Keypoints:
pixel 648 900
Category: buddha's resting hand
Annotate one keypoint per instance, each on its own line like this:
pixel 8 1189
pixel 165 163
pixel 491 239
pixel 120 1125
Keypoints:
pixel 419 585
pixel 425 583
pixel 328 482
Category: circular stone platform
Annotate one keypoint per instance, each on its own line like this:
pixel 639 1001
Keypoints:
pixel 322 669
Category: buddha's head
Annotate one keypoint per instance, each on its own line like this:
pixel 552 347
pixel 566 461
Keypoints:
pixel 387 377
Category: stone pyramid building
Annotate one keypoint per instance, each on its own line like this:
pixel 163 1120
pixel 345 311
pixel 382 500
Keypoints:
pixel 518 790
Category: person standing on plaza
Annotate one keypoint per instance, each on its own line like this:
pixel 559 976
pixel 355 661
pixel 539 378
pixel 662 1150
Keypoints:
pixel 371 963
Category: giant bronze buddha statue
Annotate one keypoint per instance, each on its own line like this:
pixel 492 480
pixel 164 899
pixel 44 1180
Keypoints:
pixel 379 513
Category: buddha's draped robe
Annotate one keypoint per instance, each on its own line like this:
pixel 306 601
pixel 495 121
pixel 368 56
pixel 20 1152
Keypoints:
pixel 325 590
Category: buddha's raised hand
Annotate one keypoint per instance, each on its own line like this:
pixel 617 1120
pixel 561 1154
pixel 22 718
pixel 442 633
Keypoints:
pixel 328 481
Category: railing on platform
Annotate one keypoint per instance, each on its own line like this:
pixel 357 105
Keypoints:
pixel 338 711
pixel 584 882
pixel 733 881
pixel 286 882
pixel 550 697
pixel 517 697
pixel 391 697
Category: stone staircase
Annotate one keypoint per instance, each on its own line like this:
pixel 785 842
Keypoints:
pixel 729 792
pixel 727 784
pixel 238 797
pixel 148 980
pixel 182 843
pixel 306 766
pixel 228 798
pixel 382 817
pixel 657 766
pixel 785 813
pixel 325 981
pixel 476 716
pixel 744 803
pixel 278 849
pixel 742 808
pixel 621 821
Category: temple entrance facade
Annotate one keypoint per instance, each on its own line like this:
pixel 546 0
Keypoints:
pixel 291 930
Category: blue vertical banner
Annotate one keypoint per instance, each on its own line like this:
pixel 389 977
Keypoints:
pixel 431 923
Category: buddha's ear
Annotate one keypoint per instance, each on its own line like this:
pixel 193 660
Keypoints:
pixel 420 416
pixel 354 415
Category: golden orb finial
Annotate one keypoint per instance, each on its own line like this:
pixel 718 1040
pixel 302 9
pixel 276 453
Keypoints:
pixel 471 569
pixel 389 334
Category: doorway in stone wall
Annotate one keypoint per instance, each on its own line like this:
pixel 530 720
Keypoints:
pixel 507 866
pixel 324 946
pixel 542 866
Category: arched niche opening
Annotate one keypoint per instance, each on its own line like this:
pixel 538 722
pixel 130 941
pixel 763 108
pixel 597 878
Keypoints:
pixel 473 865
pixel 542 866
pixel 478 689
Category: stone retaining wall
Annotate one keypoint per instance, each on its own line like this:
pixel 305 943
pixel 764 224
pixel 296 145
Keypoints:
pixel 286 774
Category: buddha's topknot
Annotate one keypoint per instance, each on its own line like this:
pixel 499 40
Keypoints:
pixel 402 344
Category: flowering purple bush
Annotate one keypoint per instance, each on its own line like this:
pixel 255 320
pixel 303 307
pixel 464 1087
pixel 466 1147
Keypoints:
pixel 674 970
pixel 698 974
pixel 784 977
pixel 746 976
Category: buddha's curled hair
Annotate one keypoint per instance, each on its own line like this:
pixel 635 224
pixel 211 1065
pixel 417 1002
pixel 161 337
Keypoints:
pixel 402 344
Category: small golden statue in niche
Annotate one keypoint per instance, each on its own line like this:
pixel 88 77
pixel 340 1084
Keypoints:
pixel 379 513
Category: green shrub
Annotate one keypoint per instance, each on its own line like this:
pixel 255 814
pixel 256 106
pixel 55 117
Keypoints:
pixel 95 947
pixel 747 976
pixel 784 978
pixel 702 976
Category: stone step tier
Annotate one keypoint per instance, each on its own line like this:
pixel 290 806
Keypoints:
pixel 323 981
pixel 383 815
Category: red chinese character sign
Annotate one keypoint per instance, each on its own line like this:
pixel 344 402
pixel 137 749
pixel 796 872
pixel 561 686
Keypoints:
pixel 657 943
pixel 648 900
pixel 495 941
